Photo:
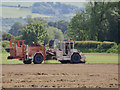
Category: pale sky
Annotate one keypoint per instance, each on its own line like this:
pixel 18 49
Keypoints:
pixel 58 0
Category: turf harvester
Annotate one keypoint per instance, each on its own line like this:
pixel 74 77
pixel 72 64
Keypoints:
pixel 62 51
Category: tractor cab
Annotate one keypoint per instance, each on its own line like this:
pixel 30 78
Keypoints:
pixel 66 47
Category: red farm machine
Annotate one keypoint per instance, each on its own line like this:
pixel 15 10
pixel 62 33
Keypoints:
pixel 62 51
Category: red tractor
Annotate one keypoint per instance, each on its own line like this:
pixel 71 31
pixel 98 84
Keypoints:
pixel 18 50
pixel 58 50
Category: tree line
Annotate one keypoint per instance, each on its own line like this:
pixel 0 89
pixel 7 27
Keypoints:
pixel 34 30
pixel 98 22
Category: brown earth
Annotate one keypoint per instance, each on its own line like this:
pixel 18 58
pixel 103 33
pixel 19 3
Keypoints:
pixel 60 76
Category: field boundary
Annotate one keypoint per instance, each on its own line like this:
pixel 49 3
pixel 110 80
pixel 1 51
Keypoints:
pixel 101 54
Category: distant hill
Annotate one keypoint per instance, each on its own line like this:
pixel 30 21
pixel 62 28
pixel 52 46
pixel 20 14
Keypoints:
pixel 51 8
pixel 18 12
pixel 40 9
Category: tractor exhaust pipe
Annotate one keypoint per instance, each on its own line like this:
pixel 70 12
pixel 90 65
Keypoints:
pixel 26 53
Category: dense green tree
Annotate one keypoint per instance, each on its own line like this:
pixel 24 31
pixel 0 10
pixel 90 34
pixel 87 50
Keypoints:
pixel 33 32
pixel 7 23
pixel 55 33
pixel 77 29
pixel 103 20
pixel 62 25
pixel 47 39
pixel 7 36
pixel 93 23
pixel 37 20
pixel 20 37
pixel 99 22
pixel 16 29
pixel 113 15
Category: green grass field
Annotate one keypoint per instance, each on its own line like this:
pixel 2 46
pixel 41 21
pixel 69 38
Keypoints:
pixel 101 58
pixel 12 61
pixel 91 59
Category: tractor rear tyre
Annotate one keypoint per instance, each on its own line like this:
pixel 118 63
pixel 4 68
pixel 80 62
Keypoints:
pixel 27 62
pixel 75 58
pixel 38 58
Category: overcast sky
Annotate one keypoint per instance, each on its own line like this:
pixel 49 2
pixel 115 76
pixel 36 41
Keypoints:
pixel 58 0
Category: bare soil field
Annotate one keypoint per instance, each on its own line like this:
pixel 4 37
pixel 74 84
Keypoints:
pixel 60 76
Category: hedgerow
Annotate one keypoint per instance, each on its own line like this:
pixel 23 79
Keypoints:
pixel 96 46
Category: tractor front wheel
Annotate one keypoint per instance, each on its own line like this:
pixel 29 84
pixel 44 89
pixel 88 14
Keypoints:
pixel 75 58
pixel 38 58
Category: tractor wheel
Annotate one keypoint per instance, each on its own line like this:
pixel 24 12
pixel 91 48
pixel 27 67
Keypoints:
pixel 27 62
pixel 75 58
pixel 38 58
